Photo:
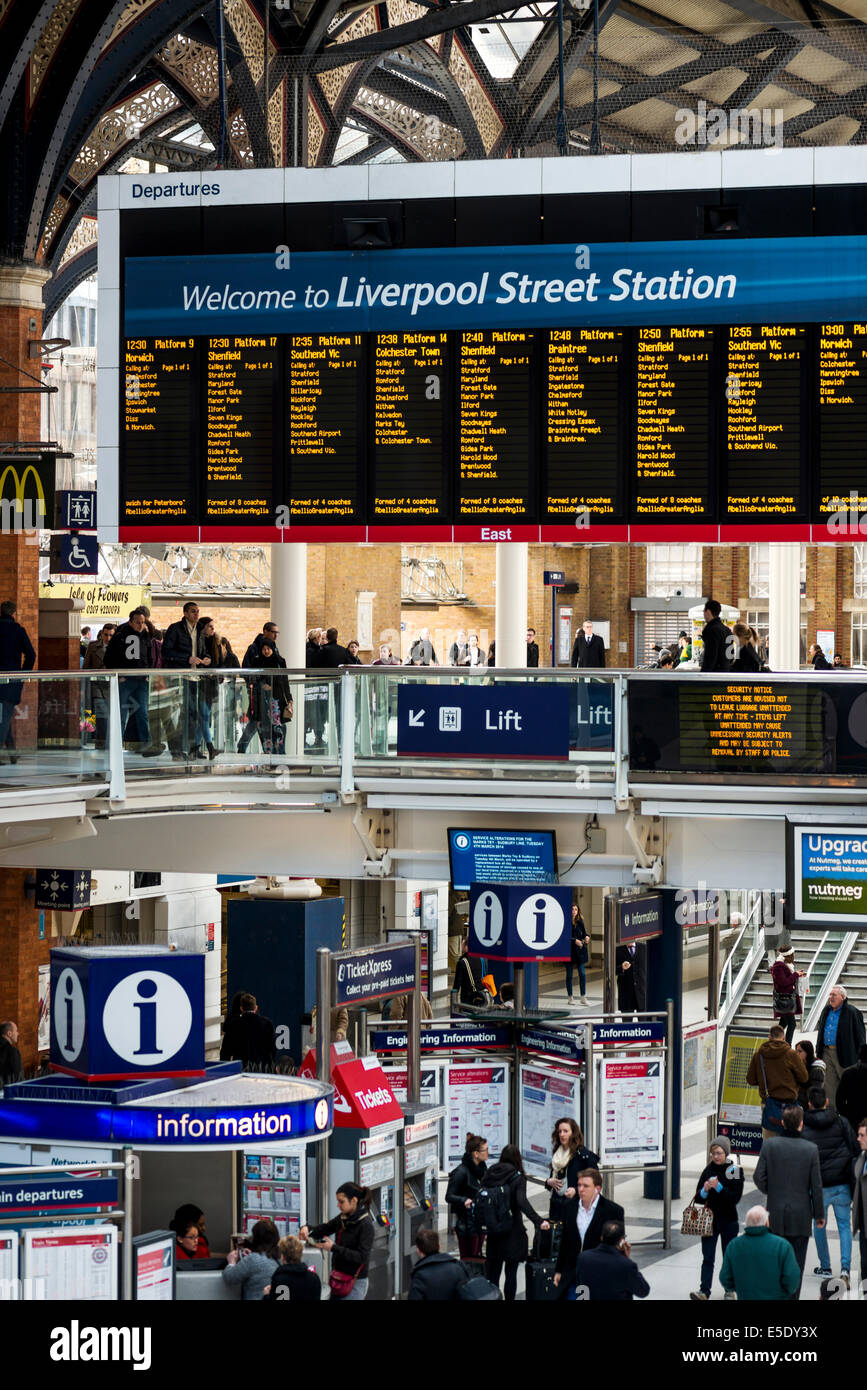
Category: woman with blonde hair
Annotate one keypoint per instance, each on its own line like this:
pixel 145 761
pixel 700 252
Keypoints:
pixel 747 660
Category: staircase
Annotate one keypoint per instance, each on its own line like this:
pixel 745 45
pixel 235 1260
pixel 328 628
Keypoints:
pixel 854 975
pixel 756 1011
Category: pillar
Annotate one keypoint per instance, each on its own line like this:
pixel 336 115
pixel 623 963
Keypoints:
pixel 289 600
pixel 511 610
pixel 784 604
pixel 665 981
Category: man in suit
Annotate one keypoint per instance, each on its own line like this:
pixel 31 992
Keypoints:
pixel 607 1274
pixel 840 1037
pixel 532 648
pixel 10 1058
pixel 589 649
pixel 250 1039
pixel 631 971
pixel 788 1171
pixel 859 1197
pixel 717 654
pixel 332 654
pixel 582 1230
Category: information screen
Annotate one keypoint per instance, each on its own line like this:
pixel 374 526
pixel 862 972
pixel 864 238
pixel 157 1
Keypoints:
pixel 502 856
pixel 583 435
pixel 747 725
pixel 411 443
pixel 160 423
pixel 496 414
pixel 325 427
pixel 746 423
pixel 841 482
pixel 673 462
pixel 766 434
pixel 241 383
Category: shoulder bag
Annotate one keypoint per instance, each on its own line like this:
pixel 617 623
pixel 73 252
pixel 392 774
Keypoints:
pixel 772 1110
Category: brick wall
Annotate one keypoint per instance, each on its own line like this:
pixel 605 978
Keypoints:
pixel 21 953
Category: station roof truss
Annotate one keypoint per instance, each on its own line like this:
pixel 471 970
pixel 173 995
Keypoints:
pixel 133 85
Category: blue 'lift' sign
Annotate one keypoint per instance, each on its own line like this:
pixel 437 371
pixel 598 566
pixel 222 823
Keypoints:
pixel 488 721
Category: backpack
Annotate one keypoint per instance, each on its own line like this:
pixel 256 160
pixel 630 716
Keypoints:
pixel 494 1210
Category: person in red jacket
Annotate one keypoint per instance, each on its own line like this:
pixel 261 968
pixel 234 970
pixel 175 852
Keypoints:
pixel 786 978
pixel 187 1245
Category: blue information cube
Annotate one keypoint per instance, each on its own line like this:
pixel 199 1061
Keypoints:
pixel 127 1011
pixel 483 721
pixel 520 921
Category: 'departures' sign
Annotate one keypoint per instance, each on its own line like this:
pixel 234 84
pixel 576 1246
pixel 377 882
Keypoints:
pixel 826 872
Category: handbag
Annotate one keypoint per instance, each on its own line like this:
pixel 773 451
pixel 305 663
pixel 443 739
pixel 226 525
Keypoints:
pixel 784 1003
pixel 341 1284
pixel 697 1220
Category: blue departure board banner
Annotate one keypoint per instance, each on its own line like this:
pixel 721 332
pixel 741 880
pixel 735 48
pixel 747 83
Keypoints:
pixel 805 278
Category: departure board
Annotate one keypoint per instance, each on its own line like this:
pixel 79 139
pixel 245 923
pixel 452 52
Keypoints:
pixel 673 463
pixel 765 421
pixel 411 445
pixel 160 421
pixel 241 386
pixel 496 425
pixel 325 429
pixel 583 436
pixel 841 477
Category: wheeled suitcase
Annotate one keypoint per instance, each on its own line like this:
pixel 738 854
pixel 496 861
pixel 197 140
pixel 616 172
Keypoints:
pixel 546 1244
pixel 540 1281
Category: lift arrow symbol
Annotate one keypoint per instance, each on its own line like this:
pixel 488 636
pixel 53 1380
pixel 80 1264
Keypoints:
pixel 416 718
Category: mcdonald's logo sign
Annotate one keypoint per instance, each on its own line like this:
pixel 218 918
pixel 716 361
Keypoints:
pixel 26 491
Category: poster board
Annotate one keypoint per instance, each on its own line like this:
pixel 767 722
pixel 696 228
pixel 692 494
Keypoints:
pixel 431 1083
pixel 8 1265
pixel 546 1094
pixel 631 1106
pixel 826 876
pixel 477 1101
pixel 740 1105
pixel 75 1263
pixel 699 1070
pixel 154 1267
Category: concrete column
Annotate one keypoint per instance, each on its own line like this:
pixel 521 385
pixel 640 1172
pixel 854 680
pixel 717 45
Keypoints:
pixel 289 600
pixel 784 617
pixel 511 610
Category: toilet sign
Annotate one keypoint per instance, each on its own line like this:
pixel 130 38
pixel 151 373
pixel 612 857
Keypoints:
pixel 119 1013
pixel 520 922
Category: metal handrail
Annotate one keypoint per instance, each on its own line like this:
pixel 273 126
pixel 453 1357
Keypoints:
pixel 738 986
pixel 835 969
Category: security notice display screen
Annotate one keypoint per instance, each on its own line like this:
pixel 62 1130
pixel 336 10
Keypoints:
pixel 826 876
pixel 256 390
pixel 698 726
pixel 502 856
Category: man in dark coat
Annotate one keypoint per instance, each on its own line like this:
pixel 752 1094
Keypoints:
pixel 607 1273
pixel 839 1038
pixel 250 1039
pixel 852 1091
pixel 436 1278
pixel 589 649
pixel 130 650
pixel 10 1058
pixel 859 1197
pixel 838 1149
pixel 16 654
pixel 583 1230
pixel 532 649
pixel 184 649
pixel 332 654
pixel 631 971
pixel 788 1171
pixel 266 638
pixel 717 652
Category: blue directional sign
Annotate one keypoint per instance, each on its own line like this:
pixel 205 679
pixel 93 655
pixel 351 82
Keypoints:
pixel 76 511
pixel 520 921
pixel 491 721
pixel 60 1193
pixel 74 555
pixel 554 579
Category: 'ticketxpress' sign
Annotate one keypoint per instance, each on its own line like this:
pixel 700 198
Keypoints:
pixel 374 974
pixel 497 286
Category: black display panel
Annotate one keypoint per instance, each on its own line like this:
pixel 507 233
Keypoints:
pixel 673 468
pixel 325 429
pixel 496 425
pixel 840 475
pixel 584 437
pixel 747 726
pixel 242 378
pixel 766 422
pixel 159 430
pixel 411 453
